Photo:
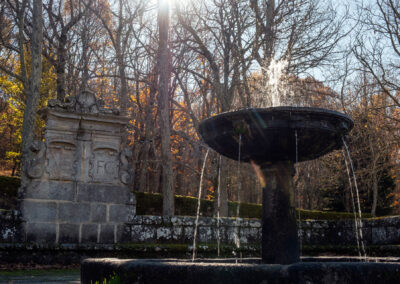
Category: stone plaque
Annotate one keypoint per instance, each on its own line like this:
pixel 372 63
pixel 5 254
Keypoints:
pixel 61 161
pixel 104 166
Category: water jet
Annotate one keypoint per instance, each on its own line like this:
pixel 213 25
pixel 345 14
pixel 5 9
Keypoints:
pixel 268 140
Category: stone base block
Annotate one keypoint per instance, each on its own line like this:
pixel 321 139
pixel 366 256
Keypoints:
pixel 225 271
pixel 41 232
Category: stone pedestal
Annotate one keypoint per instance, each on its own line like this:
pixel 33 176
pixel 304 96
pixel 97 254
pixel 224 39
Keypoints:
pixel 79 190
pixel 279 229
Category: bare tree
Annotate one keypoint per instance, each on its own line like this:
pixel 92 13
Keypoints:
pixel 163 108
pixel 377 46
pixel 33 93
pixel 61 18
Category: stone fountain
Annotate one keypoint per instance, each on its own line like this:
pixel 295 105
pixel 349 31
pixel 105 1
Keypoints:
pixel 273 139
pixel 268 138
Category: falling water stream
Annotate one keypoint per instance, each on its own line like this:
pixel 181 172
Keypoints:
pixel 353 204
pixel 298 195
pixel 238 219
pixel 198 206
pixel 219 206
pixel 358 200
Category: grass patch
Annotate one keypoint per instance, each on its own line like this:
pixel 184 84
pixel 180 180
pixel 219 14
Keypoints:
pixel 39 272
pixel 115 279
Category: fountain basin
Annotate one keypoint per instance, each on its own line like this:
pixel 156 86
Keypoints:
pixel 275 138
pixel 227 271
pixel 268 134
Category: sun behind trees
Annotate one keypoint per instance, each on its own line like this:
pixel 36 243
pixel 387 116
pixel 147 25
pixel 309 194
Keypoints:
pixel 217 53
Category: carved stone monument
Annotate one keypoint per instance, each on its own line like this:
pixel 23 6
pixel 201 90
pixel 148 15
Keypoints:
pixel 80 176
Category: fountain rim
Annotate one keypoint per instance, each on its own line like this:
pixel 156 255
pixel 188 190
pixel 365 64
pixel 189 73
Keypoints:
pixel 282 109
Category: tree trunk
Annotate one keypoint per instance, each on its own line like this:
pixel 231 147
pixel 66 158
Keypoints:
pixel 60 66
pixel 123 95
pixel 163 109
pixel 33 93
pixel 146 146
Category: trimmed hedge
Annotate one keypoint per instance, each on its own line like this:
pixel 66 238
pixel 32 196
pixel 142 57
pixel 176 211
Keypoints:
pixel 9 191
pixel 151 204
pixel 9 186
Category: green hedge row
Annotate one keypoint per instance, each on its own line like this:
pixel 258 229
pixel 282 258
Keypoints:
pixel 151 204
pixel 9 192
pixel 9 186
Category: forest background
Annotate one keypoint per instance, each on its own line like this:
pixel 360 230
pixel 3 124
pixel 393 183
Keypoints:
pixel 169 64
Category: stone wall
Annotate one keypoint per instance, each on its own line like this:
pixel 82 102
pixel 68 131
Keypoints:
pixel 10 226
pixel 79 177
pixel 384 231
pixel 92 214
pixel 178 229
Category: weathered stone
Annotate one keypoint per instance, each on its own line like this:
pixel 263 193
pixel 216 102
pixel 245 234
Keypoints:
pixel 41 232
pixel 86 164
pixel 255 223
pixel 107 234
pixel 52 190
pixel 132 199
pixel 181 271
pixel 73 212
pixel 123 233
pixel 163 233
pixel 177 233
pixel 367 234
pixel 136 233
pixel 231 233
pixel 35 167
pixel 248 235
pixel 206 221
pixel 205 234
pixel 392 235
pixel 120 213
pixel 166 221
pixel 153 220
pixel 137 220
pixel 131 212
pixel 102 193
pixel 378 235
pixel 89 233
pixel 35 211
pixel 148 234
pixel 98 212
pixel 188 221
pixel 221 234
pixel 68 233
pixel 188 233
pixel 61 159
pixel 177 221
pixel 11 227
pixel 103 165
